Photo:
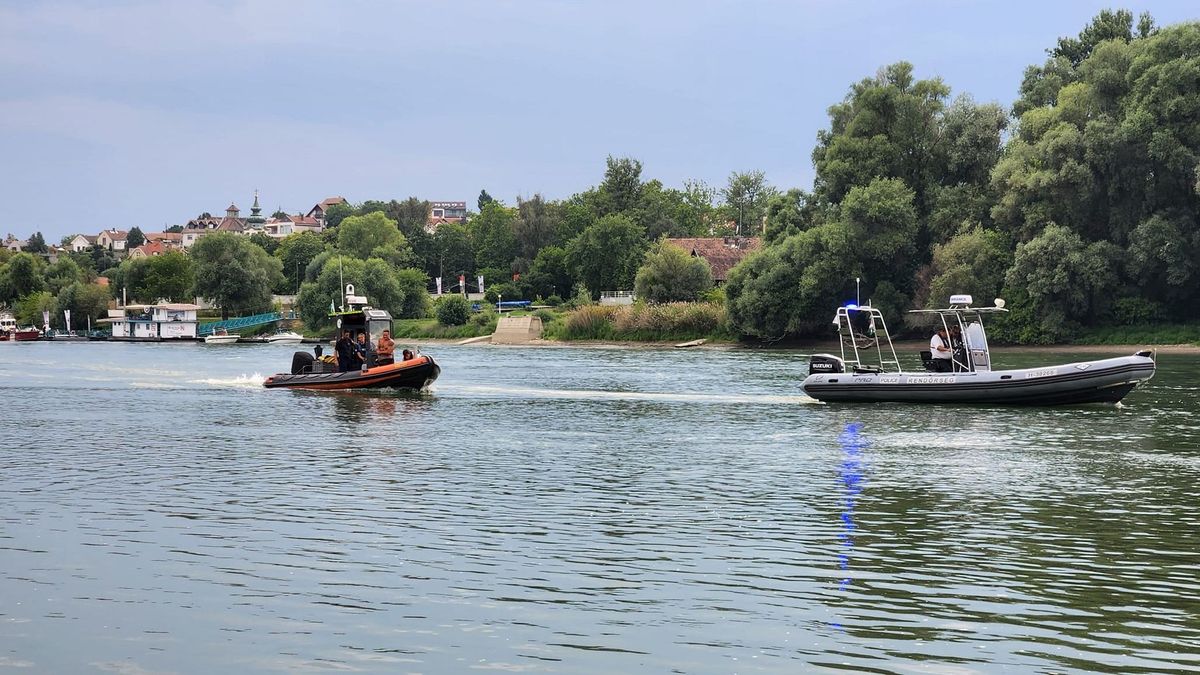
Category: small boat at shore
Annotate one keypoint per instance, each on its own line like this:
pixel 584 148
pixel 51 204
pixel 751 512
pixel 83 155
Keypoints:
pixel 317 372
pixel 221 337
pixel 968 376
pixel 286 337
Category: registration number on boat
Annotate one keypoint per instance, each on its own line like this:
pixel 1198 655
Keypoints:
pixel 1041 373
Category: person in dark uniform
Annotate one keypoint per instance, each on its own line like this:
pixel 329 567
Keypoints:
pixel 364 351
pixel 346 351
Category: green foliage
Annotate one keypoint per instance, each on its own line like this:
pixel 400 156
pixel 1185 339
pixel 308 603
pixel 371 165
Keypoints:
pixel 265 242
pixel 63 273
pixel 550 273
pixel 973 262
pixel 453 252
pixel 536 225
pixel 134 238
pixel 234 273
pixel 746 195
pixel 622 186
pixel 295 252
pixel 669 274
pixel 336 213
pixel 1066 279
pixel 84 301
pixel 483 199
pixel 401 292
pixel 169 276
pixel 36 243
pixel 493 235
pixel 361 236
pixel 452 310
pixel 29 309
pixel 665 322
pixel 20 276
pixel 607 254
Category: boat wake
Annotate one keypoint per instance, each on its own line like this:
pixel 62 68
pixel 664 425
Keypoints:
pixel 254 381
pixel 599 395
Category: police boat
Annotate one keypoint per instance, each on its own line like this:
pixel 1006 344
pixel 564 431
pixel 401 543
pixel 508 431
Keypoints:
pixel 321 372
pixel 969 377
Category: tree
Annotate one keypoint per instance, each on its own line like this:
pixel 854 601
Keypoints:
pixel 374 278
pixel 336 213
pixel 791 288
pixel 234 273
pixel 295 252
pixel 746 195
pixel 550 273
pixel 135 238
pixel 973 262
pixel 606 255
pixel 452 251
pixel 493 234
pixel 1068 280
pixel 671 275
pixel 21 276
pixel 264 241
pixel 129 279
pixel 358 236
pixel 453 310
pixel 536 225
pixel 174 229
pixel 62 273
pixel 84 301
pixel 279 214
pixel 32 306
pixel 169 276
pixel 36 244
pixel 622 186
pixel 484 198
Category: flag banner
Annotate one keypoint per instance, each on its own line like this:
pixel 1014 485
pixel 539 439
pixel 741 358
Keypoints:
pixel 439 285
pixel 480 278
pixel 67 315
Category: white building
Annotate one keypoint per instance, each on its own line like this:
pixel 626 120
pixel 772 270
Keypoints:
pixel 167 321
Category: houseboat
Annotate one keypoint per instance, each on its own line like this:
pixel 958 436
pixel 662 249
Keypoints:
pixel 153 323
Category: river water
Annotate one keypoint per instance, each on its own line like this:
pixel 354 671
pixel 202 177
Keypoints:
pixel 582 510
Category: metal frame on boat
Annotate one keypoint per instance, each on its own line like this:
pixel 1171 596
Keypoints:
pixel 971 377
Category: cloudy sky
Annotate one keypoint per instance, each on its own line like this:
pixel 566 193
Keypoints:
pixel 124 113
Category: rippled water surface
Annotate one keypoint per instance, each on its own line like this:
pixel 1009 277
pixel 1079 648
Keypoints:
pixel 575 510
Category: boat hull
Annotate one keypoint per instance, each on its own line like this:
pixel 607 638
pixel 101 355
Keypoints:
pixel 417 373
pixel 1102 381
pixel 221 339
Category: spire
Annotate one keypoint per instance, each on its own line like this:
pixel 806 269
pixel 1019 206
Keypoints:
pixel 256 217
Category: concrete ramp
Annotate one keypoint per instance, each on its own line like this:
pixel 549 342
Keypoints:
pixel 517 330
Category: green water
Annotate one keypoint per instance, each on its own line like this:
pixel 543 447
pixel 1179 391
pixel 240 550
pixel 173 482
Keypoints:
pixel 583 511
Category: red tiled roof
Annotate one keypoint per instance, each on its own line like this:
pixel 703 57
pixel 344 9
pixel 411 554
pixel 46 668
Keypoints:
pixel 722 253
pixel 153 248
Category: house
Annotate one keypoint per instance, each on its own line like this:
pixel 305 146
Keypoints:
pixel 288 225
pixel 169 240
pixel 82 242
pixel 113 240
pixel 148 250
pixel 205 223
pixel 15 245
pixel 164 321
pixel 721 253
pixel 445 212
pixel 318 211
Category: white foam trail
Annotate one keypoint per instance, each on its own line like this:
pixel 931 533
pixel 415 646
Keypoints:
pixel 597 395
pixel 246 381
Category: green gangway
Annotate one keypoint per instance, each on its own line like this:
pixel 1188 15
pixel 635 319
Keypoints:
pixel 237 323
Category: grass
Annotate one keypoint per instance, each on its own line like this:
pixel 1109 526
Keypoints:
pixel 430 328
pixel 1144 334
pixel 671 322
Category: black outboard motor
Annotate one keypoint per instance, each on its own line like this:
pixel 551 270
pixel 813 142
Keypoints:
pixel 302 362
pixel 825 363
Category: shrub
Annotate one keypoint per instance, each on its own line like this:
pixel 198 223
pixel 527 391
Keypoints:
pixel 554 301
pixel 453 310
pixel 593 322
pixel 485 319
pixel 545 315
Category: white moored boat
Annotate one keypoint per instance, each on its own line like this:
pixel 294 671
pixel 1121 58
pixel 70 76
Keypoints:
pixel 221 337
pixel 970 377
pixel 285 338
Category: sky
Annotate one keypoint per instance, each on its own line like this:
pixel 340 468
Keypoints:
pixel 129 113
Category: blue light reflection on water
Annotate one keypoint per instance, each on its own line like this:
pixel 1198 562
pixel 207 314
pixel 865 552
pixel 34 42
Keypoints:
pixel 851 473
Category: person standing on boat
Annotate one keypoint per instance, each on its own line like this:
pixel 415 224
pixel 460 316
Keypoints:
pixel 386 349
pixel 940 349
pixel 345 352
pixel 364 351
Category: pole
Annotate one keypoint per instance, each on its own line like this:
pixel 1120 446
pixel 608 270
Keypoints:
pixel 857 289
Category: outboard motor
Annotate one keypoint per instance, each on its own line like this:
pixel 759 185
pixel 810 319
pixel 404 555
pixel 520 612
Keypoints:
pixel 302 362
pixel 826 363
